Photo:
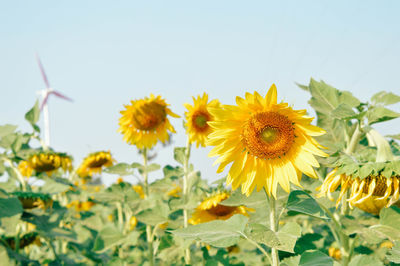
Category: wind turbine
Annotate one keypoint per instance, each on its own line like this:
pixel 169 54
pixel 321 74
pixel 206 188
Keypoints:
pixel 45 93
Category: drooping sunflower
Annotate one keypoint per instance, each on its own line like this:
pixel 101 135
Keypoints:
pixel 94 162
pixel 30 200
pixel 45 162
pixel 369 194
pixel 197 117
pixel 210 210
pixel 145 121
pixel 266 142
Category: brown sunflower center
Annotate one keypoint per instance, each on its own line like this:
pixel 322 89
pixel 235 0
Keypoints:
pixel 268 135
pixel 45 163
pixel 200 119
pixel 149 116
pixel 221 210
pixel 98 163
pixel 380 185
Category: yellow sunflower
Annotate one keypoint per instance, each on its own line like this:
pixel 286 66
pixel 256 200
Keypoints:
pixel 145 121
pixel 266 142
pixel 45 162
pixel 94 162
pixel 139 190
pixel 31 200
pixel 210 210
pixel 369 194
pixel 175 191
pixel 197 118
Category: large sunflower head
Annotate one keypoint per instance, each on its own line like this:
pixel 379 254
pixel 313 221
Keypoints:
pixel 145 121
pixel 369 194
pixel 211 209
pixel 197 117
pixel 31 200
pixel 94 162
pixel 46 162
pixel 268 143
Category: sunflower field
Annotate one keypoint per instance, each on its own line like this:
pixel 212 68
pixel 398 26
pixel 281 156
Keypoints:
pixel 297 190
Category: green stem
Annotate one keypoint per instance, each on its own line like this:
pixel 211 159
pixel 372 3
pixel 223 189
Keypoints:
pixel 186 191
pixel 149 234
pixel 258 246
pixel 120 214
pixel 20 178
pixel 274 228
pixel 355 139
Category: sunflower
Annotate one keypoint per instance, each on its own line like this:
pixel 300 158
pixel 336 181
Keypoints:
pixel 197 118
pixel 175 191
pixel 145 121
pixel 45 162
pixel 266 142
pixel 139 190
pixel 210 210
pixel 30 200
pixel 94 162
pixel 25 240
pixel 81 205
pixel 369 194
pixel 132 223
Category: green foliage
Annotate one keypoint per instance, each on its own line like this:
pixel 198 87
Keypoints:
pixel 315 258
pixel 301 202
pixel 216 233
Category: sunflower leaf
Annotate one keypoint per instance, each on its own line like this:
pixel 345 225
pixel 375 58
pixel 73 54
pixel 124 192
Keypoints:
pixel 394 253
pixel 32 116
pixel 288 236
pixel 385 98
pixel 179 154
pixel 120 169
pixel 343 111
pixel 315 258
pixel 380 114
pixel 216 233
pixel 7 129
pixel 301 202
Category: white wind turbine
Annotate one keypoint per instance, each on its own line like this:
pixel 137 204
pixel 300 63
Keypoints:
pixel 45 93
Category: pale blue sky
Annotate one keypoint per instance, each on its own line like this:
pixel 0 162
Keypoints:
pixel 104 53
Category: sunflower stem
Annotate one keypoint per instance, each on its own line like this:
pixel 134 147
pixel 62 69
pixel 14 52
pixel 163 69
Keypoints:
pixel 20 178
pixel 186 191
pixel 355 138
pixel 149 234
pixel 274 228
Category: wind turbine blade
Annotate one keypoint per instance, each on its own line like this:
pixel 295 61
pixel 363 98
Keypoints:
pixel 44 101
pixel 58 94
pixel 46 81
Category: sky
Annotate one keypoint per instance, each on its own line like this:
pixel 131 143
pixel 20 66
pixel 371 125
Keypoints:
pixel 103 54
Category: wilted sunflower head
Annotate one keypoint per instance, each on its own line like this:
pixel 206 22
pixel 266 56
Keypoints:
pixel 369 194
pixel 94 162
pixel 197 118
pixel 46 162
pixel 145 121
pixel 30 200
pixel 25 240
pixel 211 209
pixel 266 142
pixel 25 169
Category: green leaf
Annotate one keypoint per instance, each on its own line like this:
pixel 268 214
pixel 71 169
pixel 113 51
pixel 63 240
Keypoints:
pixel 390 217
pixel 325 98
pixel 380 114
pixel 216 233
pixel 120 169
pixel 385 98
pixel 291 261
pixel 110 236
pixel 393 136
pixel 55 186
pixel 262 234
pixel 348 98
pixel 179 154
pixel 32 116
pixel 5 260
pixel 153 167
pixel 288 235
pixel 10 207
pixel 302 202
pixel 154 216
pixel 394 253
pixel 315 258
pixel 7 129
pixel 343 111
pixel 365 260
